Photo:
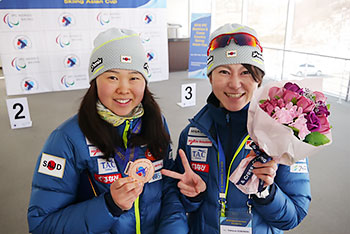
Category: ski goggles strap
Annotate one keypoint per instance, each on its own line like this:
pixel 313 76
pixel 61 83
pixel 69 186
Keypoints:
pixel 241 39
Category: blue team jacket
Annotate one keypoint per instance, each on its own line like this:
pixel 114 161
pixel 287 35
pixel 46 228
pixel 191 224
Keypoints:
pixel 287 208
pixel 53 204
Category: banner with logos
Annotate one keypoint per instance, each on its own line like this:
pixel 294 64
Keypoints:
pixel 200 30
pixel 45 45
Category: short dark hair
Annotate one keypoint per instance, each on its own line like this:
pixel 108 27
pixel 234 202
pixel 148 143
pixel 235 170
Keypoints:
pixel 256 72
pixel 106 138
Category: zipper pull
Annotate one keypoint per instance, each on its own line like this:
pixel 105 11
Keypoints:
pixel 227 118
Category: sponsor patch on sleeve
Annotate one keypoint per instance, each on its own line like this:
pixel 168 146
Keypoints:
pixel 105 167
pixel 199 154
pixel 299 168
pixel 52 165
pixel 200 167
pixel 199 141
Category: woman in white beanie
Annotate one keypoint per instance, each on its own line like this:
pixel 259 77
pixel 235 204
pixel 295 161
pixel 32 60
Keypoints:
pixel 216 141
pixel 84 181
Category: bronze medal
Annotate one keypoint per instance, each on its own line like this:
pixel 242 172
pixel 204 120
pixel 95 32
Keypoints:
pixel 141 170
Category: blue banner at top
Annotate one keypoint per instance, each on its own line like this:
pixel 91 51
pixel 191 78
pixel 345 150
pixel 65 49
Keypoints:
pixel 53 4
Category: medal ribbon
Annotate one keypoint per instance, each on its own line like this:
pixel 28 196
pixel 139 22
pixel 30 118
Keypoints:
pixel 247 174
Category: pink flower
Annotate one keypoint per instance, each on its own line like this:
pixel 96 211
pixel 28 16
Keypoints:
pixel 268 106
pixel 276 92
pixel 306 104
pixel 325 127
pixel 282 115
pixel 319 96
pixel 289 95
pixel 300 124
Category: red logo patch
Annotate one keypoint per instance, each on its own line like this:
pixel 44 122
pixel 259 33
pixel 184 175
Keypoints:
pixel 200 167
pixel 107 179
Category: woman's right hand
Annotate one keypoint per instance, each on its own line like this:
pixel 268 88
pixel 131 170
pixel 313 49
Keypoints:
pixel 190 183
pixel 124 192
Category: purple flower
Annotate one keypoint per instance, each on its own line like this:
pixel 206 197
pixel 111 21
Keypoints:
pixel 321 109
pixel 313 122
pixel 293 87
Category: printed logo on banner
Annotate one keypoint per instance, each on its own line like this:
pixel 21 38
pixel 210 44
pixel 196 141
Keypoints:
pixel 193 131
pixel 158 165
pixel 125 59
pixel 107 179
pixel 231 53
pixel 299 168
pixel 103 18
pixel 52 165
pixel 148 18
pixel 11 20
pixel 71 61
pixel 145 39
pixel 63 40
pixel 22 42
pixel 68 81
pixel 19 63
pixel 200 167
pixel 199 141
pixel 66 20
pixel 151 56
pixel 29 84
pixel 199 154
pixel 94 151
pixel 157 176
pixel 256 54
pixel 105 167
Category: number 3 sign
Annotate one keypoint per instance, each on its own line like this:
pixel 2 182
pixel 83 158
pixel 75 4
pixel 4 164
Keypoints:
pixel 188 95
pixel 18 113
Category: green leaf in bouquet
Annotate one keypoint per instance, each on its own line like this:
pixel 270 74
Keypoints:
pixel 316 139
pixel 294 100
pixel 262 101
pixel 328 106
pixel 295 130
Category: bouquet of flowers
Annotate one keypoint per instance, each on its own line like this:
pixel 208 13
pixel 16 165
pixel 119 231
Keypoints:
pixel 288 123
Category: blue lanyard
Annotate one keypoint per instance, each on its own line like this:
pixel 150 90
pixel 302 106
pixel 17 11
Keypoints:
pixel 223 178
pixel 123 156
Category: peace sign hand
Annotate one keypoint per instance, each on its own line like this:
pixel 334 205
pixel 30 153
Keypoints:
pixel 190 183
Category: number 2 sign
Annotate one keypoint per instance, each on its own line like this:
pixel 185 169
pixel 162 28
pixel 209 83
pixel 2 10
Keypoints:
pixel 18 113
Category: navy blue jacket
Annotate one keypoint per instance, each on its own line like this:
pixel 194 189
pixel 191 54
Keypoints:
pixel 283 209
pixel 54 204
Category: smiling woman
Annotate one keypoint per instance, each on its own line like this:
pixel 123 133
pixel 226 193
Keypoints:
pixel 120 90
pixel 83 165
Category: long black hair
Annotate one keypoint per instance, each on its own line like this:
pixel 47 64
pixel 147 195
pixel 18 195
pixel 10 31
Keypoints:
pixel 105 137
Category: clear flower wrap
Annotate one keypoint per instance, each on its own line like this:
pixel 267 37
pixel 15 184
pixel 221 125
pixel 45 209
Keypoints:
pixel 276 129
